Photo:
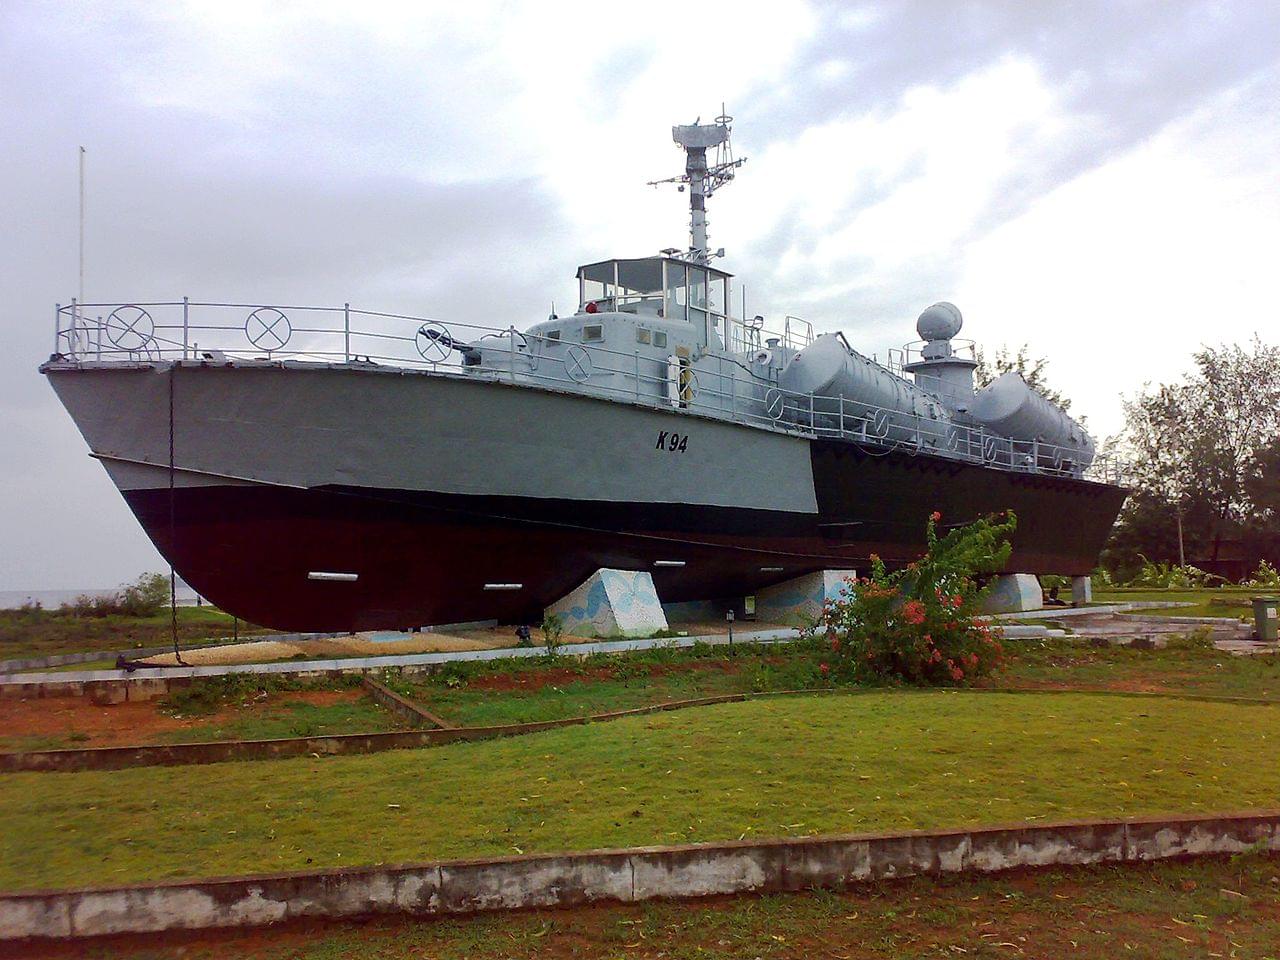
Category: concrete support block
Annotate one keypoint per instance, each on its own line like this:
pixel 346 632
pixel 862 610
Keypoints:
pixel 1014 593
pixel 1081 591
pixel 800 600
pixel 612 603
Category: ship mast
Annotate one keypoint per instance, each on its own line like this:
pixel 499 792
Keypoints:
pixel 703 179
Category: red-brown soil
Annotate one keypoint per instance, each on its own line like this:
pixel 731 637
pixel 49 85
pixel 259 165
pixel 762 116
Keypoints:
pixel 126 724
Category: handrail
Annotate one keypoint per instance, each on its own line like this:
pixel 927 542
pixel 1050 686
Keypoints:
pixel 177 330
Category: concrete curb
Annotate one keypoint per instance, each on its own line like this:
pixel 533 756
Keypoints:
pixel 402 707
pixel 644 873
pixel 74 684
pixel 228 751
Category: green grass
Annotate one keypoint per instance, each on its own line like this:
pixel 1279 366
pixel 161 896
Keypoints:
pixel 294 718
pixel 1167 909
pixel 765 768
pixel 538 690
pixel 44 633
pixel 1205 602
pixel 1178 668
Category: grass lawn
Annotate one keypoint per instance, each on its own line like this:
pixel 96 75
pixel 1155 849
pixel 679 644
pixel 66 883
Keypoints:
pixel 784 767
pixel 1171 909
pixel 522 691
pixel 1189 668
pixel 44 633
pixel 1206 602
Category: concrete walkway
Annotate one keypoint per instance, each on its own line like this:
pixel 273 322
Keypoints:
pixel 362 664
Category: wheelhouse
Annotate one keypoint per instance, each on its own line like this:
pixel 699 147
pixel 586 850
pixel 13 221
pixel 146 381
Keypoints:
pixel 660 286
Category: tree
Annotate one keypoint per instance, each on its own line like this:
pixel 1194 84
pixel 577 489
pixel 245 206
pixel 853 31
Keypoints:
pixel 1032 371
pixel 1262 487
pixel 1201 453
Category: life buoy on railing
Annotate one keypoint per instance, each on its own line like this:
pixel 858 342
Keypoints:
pixel 990 451
pixel 268 329
pixel 774 404
pixel 130 327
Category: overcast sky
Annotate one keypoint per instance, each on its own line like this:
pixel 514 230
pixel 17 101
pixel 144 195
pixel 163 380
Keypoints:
pixel 1099 181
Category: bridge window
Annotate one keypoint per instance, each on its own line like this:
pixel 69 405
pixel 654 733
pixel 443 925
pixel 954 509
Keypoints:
pixel 598 282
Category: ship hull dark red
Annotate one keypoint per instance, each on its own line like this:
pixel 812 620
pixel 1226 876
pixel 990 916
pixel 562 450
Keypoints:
pixel 422 558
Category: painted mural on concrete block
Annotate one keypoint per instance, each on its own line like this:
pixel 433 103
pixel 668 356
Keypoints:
pixel 800 600
pixel 612 603
pixel 1014 593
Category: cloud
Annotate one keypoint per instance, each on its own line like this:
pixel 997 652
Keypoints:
pixel 1094 179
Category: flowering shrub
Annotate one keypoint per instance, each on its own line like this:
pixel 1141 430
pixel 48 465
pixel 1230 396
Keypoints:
pixel 1265 576
pixel 920 624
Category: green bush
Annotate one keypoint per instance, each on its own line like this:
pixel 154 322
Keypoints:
pixel 919 625
pixel 553 633
pixel 1265 576
pixel 1163 576
pixel 145 597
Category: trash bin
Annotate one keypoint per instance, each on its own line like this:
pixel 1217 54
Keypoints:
pixel 1266 617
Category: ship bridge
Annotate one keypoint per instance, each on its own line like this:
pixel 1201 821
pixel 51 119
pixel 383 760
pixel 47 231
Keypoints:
pixel 665 287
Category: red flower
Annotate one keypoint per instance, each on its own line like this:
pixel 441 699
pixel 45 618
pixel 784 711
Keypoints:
pixel 935 516
pixel 825 669
pixel 973 660
pixel 913 612
pixel 957 673
pixel 835 644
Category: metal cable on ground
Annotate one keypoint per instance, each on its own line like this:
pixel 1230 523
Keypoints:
pixel 173 576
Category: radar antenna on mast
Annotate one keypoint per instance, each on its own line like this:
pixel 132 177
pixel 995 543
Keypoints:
pixel 703 179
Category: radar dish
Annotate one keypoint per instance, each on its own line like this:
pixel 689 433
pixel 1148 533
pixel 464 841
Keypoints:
pixel 942 321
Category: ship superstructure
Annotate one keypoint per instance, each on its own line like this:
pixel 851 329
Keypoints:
pixel 313 468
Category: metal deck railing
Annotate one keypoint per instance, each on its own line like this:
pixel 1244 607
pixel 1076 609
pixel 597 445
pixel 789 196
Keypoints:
pixel 719 386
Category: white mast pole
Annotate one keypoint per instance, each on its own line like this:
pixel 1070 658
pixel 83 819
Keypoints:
pixel 82 225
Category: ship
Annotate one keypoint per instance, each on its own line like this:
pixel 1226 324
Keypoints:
pixel 331 468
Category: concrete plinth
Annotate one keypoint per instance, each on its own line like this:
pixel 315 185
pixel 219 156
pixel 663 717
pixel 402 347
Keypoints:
pixel 800 600
pixel 612 603
pixel 1081 591
pixel 1014 593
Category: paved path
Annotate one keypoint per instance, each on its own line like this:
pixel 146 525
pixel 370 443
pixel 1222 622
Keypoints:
pixel 358 664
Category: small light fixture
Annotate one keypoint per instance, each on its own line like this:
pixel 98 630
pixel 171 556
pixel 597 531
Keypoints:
pixel 771 569
pixel 504 586
pixel 668 563
pixel 334 577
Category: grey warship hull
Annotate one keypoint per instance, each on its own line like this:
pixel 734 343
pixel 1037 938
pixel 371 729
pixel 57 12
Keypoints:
pixel 325 497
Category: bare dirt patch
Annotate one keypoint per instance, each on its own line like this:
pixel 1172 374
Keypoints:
pixel 128 724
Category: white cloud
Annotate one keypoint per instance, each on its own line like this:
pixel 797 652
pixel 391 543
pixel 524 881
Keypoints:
pixel 1118 275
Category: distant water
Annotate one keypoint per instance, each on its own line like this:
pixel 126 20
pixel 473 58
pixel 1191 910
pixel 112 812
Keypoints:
pixel 52 599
